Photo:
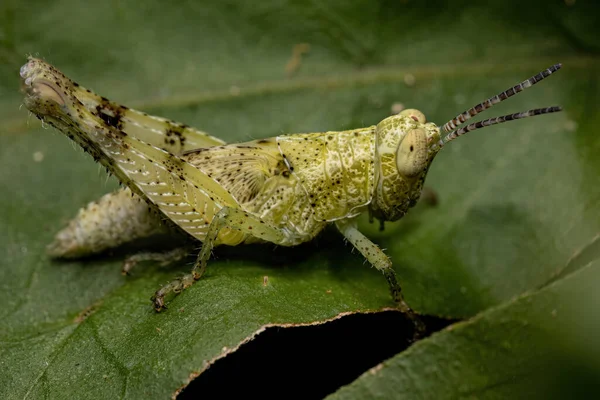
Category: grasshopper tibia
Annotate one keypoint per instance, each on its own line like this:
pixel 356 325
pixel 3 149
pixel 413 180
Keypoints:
pixel 230 218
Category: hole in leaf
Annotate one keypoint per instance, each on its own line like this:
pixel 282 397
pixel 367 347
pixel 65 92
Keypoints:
pixel 307 362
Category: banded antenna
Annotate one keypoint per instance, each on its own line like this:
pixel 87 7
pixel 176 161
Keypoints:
pixel 450 126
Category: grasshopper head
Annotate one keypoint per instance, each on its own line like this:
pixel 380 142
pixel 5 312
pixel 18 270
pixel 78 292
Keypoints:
pixel 407 144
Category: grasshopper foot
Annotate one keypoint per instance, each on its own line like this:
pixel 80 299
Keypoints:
pixel 171 289
pixel 419 326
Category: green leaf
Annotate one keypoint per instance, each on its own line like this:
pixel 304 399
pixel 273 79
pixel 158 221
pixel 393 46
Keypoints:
pixel 540 345
pixel 518 204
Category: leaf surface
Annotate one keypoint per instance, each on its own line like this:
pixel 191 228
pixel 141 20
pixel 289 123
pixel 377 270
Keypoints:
pixel 518 203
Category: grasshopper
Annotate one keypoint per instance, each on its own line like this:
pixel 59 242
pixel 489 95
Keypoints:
pixel 282 190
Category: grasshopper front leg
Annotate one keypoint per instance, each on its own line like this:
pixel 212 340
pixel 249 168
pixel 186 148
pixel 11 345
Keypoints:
pixel 379 260
pixel 227 217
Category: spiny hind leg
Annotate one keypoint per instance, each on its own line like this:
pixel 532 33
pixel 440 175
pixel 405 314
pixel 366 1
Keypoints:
pixel 379 260
pixel 172 136
pixel 230 218
pixel 165 258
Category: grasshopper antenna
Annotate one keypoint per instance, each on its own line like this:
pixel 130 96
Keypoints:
pixel 450 126
pixel 498 120
pixel 473 111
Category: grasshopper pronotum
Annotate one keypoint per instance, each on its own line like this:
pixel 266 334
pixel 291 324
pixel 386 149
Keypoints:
pixel 283 190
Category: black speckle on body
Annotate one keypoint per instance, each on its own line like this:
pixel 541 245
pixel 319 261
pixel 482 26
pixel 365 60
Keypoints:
pixel 174 132
pixel 111 114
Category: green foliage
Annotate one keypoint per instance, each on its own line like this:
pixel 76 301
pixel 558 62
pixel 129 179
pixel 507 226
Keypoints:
pixel 518 203
pixel 540 345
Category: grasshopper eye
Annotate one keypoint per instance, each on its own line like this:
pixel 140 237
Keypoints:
pixel 411 157
pixel 414 114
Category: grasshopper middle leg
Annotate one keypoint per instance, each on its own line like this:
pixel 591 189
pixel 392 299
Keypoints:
pixel 227 217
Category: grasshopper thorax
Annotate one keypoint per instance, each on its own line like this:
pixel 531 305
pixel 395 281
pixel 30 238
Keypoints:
pixel 406 145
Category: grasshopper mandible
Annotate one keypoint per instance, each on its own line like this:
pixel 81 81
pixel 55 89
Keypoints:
pixel 282 190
